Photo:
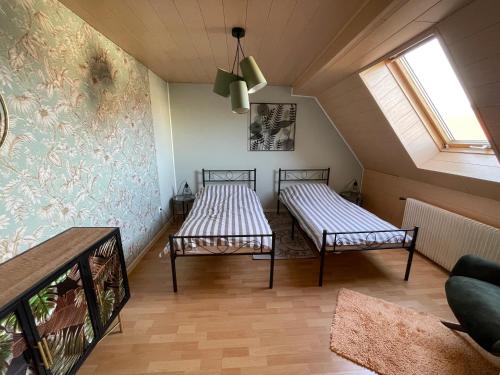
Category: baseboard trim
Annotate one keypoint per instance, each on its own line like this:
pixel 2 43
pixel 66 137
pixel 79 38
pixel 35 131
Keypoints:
pixel 135 262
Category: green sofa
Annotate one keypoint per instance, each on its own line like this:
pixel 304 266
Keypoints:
pixel 473 293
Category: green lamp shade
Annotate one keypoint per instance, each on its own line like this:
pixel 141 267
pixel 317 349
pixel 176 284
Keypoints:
pixel 253 76
pixel 222 81
pixel 239 97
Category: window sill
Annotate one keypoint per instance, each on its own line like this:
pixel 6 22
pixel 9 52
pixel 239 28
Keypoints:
pixel 461 150
pixel 473 165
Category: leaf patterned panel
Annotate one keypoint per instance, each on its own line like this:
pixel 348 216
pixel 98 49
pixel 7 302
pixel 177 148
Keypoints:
pixel 108 278
pixel 272 127
pixel 61 316
pixel 15 357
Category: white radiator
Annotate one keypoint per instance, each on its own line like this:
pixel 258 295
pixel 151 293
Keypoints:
pixel 445 236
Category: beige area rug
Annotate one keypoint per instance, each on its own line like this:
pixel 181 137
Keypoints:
pixel 394 340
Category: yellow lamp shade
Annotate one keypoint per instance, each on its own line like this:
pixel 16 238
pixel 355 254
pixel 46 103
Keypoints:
pixel 253 76
pixel 222 81
pixel 239 97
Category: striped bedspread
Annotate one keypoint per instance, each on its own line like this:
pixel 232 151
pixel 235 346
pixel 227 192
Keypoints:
pixel 317 207
pixel 225 210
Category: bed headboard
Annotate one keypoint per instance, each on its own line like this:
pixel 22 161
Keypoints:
pixel 298 175
pixel 248 176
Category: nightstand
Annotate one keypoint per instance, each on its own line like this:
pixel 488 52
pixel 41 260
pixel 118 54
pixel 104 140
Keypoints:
pixel 181 205
pixel 352 196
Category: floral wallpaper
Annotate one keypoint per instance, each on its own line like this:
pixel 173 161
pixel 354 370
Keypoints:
pixel 80 149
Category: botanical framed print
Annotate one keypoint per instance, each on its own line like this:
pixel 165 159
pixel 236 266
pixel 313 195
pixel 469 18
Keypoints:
pixel 272 127
pixel 4 120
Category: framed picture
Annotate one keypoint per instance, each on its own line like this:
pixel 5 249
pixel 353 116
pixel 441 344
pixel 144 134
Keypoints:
pixel 4 120
pixel 272 127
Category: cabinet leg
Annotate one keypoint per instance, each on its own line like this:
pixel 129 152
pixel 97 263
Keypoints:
pixel 111 330
pixel 120 326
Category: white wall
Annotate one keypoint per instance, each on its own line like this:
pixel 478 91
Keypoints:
pixel 160 106
pixel 208 135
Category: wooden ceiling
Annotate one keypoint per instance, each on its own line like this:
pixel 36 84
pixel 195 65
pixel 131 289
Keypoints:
pixel 470 30
pixel 393 26
pixel 185 40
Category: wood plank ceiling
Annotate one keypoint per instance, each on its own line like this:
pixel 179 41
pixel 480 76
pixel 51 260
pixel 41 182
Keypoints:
pixel 185 40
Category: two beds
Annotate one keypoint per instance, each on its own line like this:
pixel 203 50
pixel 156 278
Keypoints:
pixel 334 224
pixel 226 219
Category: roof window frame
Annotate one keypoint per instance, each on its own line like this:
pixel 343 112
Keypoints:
pixel 424 106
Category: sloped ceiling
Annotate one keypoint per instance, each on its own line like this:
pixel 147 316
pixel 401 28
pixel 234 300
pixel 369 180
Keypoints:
pixel 318 47
pixel 471 31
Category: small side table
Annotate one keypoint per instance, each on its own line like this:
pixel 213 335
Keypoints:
pixel 352 196
pixel 184 202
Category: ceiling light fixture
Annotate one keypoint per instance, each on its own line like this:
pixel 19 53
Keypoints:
pixel 239 86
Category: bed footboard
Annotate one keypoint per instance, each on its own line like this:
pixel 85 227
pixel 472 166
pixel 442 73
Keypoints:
pixel 374 240
pixel 218 245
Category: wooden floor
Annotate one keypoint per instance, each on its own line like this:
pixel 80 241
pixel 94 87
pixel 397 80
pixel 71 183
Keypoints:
pixel 224 320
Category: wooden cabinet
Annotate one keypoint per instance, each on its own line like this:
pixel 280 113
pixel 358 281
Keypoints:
pixel 58 299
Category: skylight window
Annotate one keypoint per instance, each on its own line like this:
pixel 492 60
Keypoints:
pixel 434 86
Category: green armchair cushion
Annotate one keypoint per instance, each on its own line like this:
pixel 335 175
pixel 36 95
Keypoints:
pixel 477 268
pixel 476 305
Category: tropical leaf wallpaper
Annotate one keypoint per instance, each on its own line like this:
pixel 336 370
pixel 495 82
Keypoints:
pixel 61 316
pixel 80 148
pixel 272 127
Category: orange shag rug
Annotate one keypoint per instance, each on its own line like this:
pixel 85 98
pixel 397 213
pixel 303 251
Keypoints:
pixel 394 340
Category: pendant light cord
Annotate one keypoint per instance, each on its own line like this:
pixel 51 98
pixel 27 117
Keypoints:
pixel 238 54
pixel 237 58
pixel 241 48
pixel 234 61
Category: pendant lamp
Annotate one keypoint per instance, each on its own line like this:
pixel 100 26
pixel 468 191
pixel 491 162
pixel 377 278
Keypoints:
pixel 253 76
pixel 239 86
pixel 222 81
pixel 239 97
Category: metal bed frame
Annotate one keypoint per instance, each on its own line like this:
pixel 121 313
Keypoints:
pixel 229 175
pixel 221 244
pixel 370 242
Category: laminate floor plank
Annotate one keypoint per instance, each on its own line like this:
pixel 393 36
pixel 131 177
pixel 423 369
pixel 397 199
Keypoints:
pixel 224 319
